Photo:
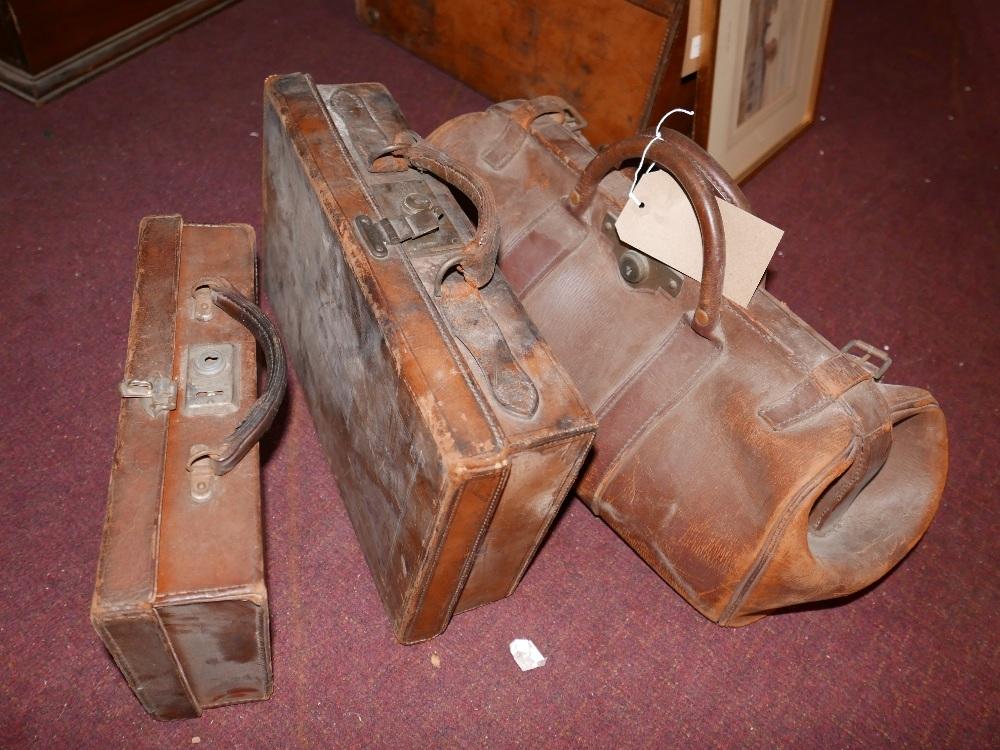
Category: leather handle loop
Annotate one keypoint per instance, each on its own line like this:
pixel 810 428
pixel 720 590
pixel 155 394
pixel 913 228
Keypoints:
pixel 699 192
pixel 479 256
pixel 226 455
pixel 525 113
pixel 720 180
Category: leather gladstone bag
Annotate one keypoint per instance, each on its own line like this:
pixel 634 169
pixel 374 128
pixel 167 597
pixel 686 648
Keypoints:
pixel 180 599
pixel 453 434
pixel 751 463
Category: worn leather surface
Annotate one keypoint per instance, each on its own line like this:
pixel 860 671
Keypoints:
pixel 453 433
pixel 180 599
pixel 746 459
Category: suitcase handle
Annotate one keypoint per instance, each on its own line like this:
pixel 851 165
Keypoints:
pixel 525 113
pixel 697 188
pixel 725 186
pixel 477 260
pixel 227 454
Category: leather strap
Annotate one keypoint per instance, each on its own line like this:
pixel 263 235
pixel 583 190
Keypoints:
pixel 842 379
pixel 471 322
pixel 227 454
pixel 698 190
pixel 827 382
pixel 477 260
pixel 519 121
pixel 525 113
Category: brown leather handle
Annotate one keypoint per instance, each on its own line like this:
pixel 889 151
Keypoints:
pixel 525 113
pixel 477 260
pixel 710 169
pixel 227 454
pixel 699 191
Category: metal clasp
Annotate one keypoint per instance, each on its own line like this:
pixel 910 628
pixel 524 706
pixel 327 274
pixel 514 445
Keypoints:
pixel 881 362
pixel 637 268
pixel 159 394
pixel 420 217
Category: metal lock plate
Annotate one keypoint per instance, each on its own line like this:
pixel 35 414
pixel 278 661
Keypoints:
pixel 637 268
pixel 210 383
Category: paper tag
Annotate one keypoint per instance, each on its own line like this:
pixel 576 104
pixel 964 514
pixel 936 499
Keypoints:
pixel 666 228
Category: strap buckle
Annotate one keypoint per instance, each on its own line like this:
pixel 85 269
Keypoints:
pixel 875 360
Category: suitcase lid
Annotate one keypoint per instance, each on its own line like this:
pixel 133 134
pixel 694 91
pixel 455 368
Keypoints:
pixel 177 530
pixel 495 384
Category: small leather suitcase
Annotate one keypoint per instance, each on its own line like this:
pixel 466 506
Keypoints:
pixel 453 433
pixel 180 600
pixel 748 461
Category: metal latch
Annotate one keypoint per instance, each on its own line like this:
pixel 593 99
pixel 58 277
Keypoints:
pixel 159 394
pixel 638 269
pixel 875 360
pixel 420 217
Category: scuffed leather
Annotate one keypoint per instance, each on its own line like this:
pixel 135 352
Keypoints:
pixel 180 599
pixel 453 433
pixel 754 468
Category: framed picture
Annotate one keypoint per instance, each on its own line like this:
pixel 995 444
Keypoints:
pixel 764 78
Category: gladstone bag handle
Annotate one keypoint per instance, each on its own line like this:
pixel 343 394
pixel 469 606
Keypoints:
pixel 699 190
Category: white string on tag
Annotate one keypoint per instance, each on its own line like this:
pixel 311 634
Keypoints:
pixel 657 137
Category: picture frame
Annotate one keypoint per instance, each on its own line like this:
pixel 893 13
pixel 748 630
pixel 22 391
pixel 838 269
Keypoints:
pixel 763 76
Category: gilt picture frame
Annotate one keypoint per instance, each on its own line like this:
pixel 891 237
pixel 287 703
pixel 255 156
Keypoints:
pixel 768 61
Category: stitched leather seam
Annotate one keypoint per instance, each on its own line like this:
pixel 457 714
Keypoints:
pixel 557 502
pixel 862 451
pixel 174 363
pixel 615 465
pixel 182 677
pixel 126 668
pixel 776 534
pixel 430 565
pixel 609 403
pixel 470 559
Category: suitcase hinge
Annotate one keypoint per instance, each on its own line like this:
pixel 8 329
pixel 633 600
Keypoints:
pixel 159 394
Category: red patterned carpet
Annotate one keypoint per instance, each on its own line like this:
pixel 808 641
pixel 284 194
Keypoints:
pixel 890 211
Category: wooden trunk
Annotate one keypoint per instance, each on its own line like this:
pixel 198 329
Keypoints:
pixel 618 61
pixel 49 46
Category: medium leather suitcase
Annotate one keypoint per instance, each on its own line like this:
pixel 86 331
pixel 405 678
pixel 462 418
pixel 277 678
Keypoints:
pixel 180 599
pixel 619 61
pixel 750 462
pixel 453 433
